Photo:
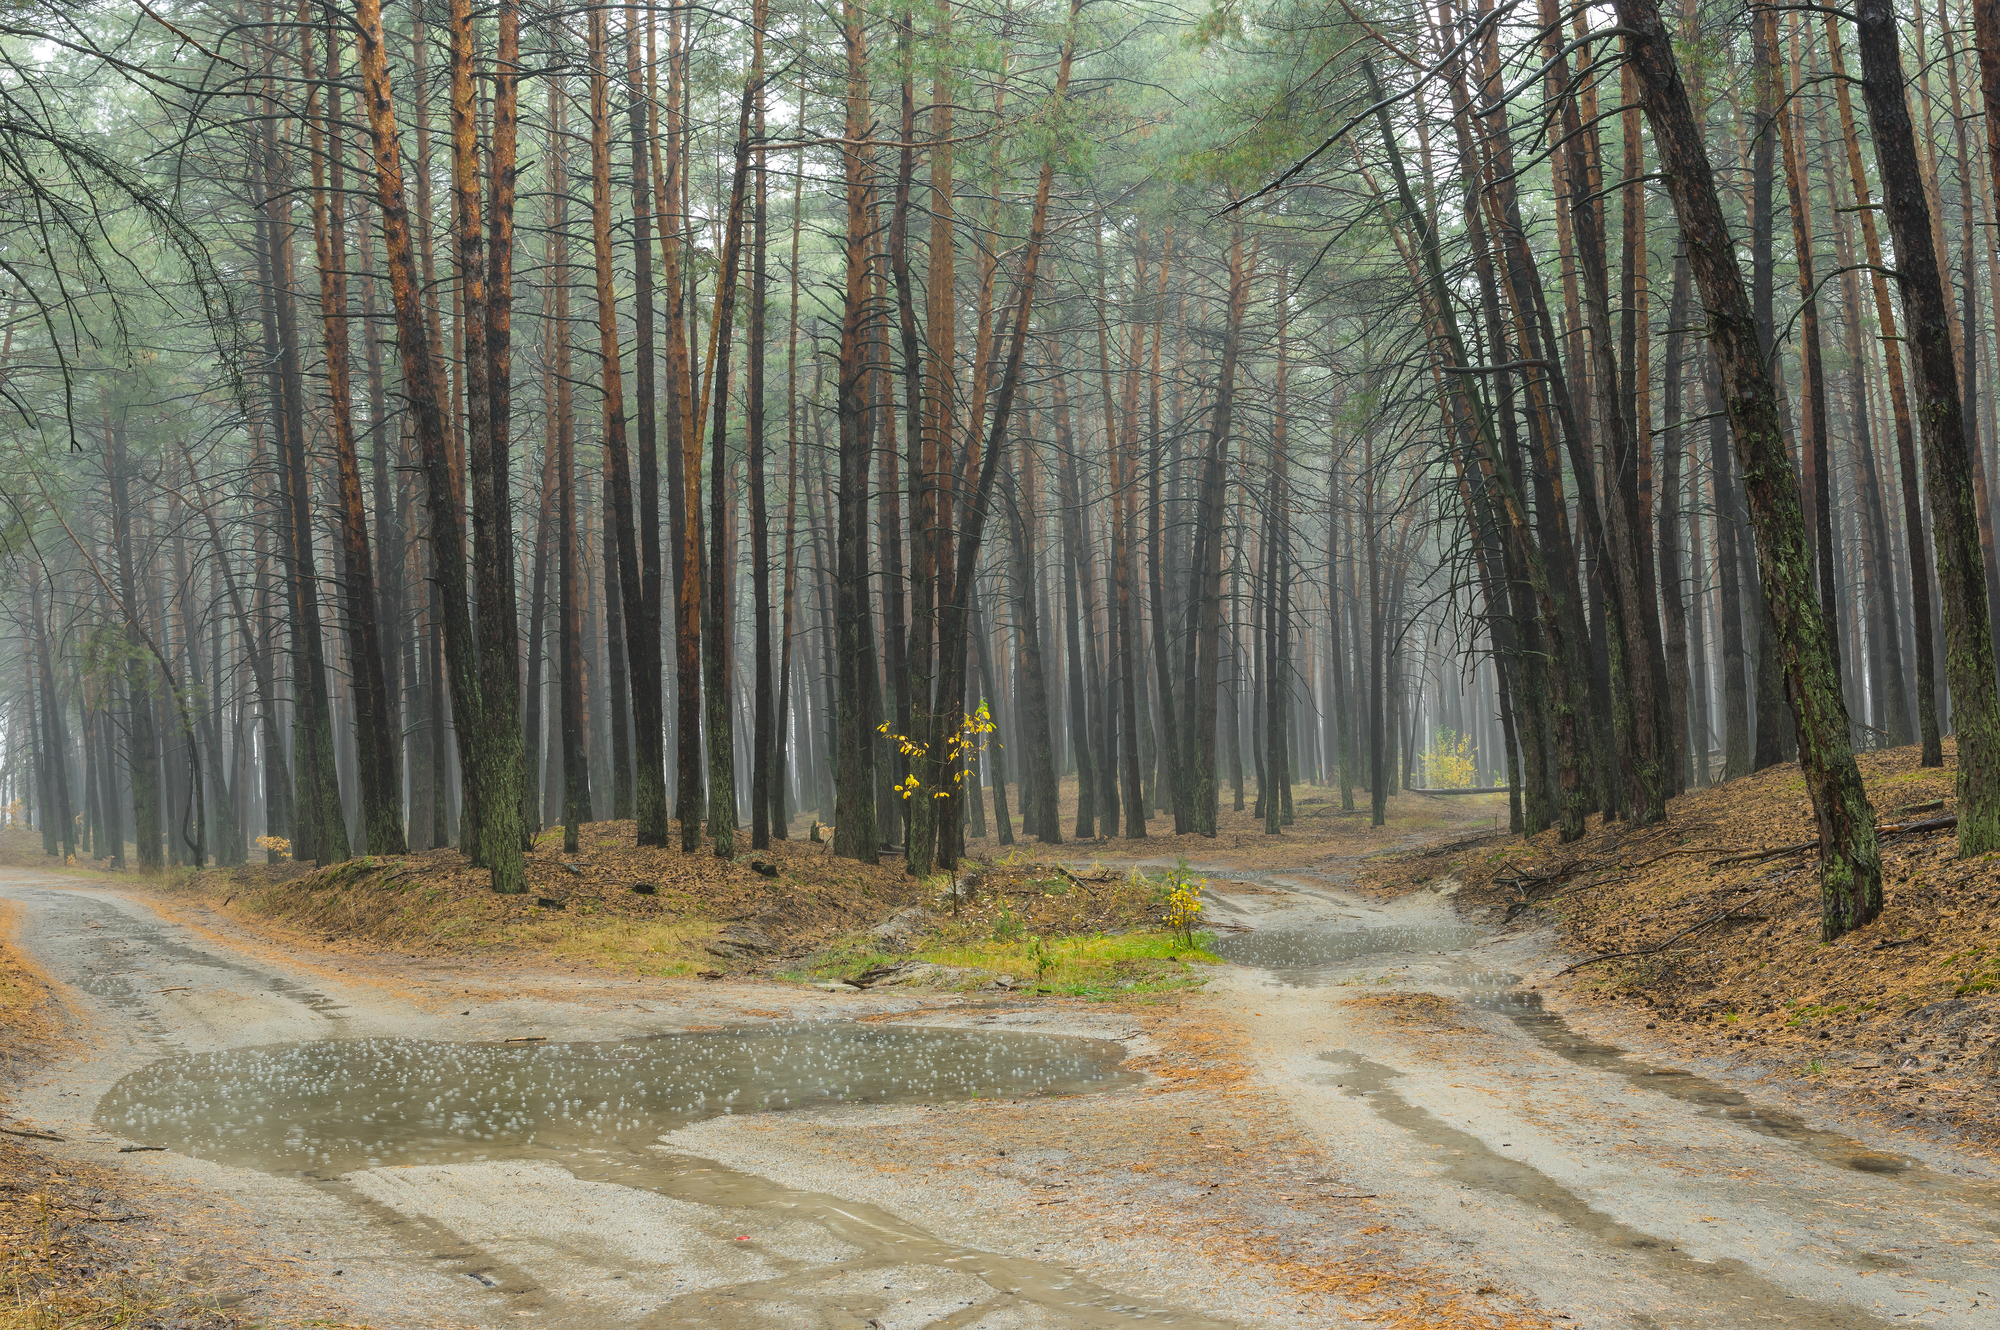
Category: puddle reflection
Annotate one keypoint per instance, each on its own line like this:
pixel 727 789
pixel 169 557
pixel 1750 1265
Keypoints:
pixel 332 1106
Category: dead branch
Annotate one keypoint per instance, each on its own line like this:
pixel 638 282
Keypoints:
pixel 1945 823
pixel 1715 918
pixel 31 1135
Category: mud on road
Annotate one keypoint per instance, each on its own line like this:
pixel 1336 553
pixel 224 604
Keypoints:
pixel 1369 1116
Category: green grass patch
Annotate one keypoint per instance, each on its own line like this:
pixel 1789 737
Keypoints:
pixel 1099 965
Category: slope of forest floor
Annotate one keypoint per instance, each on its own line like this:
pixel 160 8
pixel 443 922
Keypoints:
pixel 1705 929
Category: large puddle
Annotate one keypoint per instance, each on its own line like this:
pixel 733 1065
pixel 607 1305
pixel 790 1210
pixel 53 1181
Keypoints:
pixel 492 1156
pixel 333 1106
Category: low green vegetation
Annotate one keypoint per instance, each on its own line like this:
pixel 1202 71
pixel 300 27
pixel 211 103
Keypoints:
pixel 1100 965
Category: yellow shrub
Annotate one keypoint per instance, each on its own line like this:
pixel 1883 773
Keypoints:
pixel 1450 763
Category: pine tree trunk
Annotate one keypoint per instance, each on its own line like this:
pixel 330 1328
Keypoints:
pixel 142 738
pixel 59 809
pixel 931 512
pixel 993 756
pixel 1817 450
pixel 624 612
pixel 716 629
pixel 1086 710
pixel 538 586
pixel 1850 863
pixel 781 759
pixel 1948 472
pixel 375 727
pixel 683 459
pixel 1673 593
pixel 1915 524
pixel 955 623
pixel 422 379
pixel 495 815
pixel 649 783
pixel 1039 815
pixel 1763 277
pixel 319 829
pixel 1123 471
pixel 1199 710
pixel 763 718
pixel 499 610
pixel 854 835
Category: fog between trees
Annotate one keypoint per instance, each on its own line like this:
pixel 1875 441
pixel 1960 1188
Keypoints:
pixel 427 424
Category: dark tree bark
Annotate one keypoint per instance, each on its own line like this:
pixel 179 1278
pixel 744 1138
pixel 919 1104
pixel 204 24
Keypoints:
pixel 142 741
pixel 618 647
pixel 931 512
pixel 1948 472
pixel 1850 862
pixel 538 586
pixel 1120 445
pixel 994 754
pixel 1673 592
pixel 1200 669
pixel 574 781
pixel 58 808
pixel 319 828
pixel 1770 739
pixel 1816 453
pixel 764 719
pixel 1039 814
pixel 1915 525
pixel 716 631
pixel 683 460
pixel 780 747
pixel 649 758
pixel 625 616
pixel 1737 750
pixel 1086 689
pixel 495 814
pixel 499 623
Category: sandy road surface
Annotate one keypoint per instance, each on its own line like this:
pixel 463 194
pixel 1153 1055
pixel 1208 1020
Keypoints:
pixel 1369 1117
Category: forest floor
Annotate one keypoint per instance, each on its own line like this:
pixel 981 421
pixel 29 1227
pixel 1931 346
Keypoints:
pixel 1690 931
pixel 1363 1090
pixel 793 911
pixel 1184 1194
pixel 85 1245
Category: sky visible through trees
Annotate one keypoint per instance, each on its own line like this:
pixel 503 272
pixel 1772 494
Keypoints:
pixel 928 425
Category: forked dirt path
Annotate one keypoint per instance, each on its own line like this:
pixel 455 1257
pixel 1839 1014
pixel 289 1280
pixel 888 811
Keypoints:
pixel 1369 1116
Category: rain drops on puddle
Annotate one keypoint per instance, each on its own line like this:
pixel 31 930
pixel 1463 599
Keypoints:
pixel 331 1106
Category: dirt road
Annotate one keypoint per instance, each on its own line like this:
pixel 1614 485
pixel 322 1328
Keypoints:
pixel 1369 1116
